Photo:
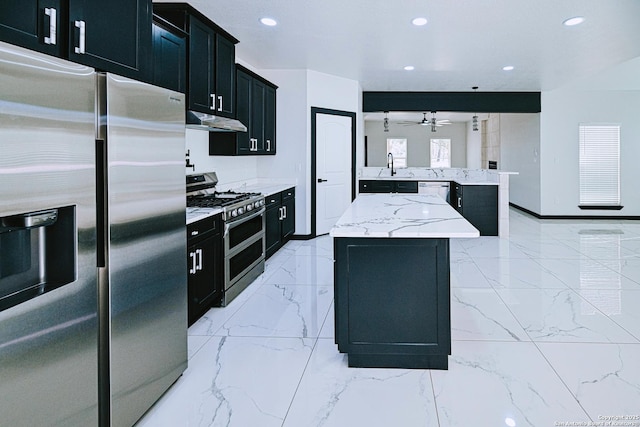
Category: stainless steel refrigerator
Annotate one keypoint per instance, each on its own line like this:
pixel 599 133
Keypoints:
pixel 93 277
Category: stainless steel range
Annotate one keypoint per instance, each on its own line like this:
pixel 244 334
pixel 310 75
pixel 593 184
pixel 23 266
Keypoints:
pixel 243 215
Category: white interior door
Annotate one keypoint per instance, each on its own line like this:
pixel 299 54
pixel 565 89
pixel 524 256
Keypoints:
pixel 333 169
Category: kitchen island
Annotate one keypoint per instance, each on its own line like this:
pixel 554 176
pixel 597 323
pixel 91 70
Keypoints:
pixel 391 280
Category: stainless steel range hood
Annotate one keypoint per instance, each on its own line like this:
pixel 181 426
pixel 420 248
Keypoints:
pixel 197 120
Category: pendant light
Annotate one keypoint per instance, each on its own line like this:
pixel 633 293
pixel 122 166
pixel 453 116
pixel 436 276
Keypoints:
pixel 474 122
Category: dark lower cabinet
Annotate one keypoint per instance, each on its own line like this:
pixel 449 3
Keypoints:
pixel 392 302
pixel 388 186
pixel 112 36
pixel 279 219
pixel 478 204
pixel 204 265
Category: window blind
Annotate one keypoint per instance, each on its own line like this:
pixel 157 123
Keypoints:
pixel 599 165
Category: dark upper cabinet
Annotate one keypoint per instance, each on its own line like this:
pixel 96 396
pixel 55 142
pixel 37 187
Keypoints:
pixel 256 109
pixel 243 141
pixel 256 128
pixel 211 60
pixel 270 119
pixel 113 36
pixel 34 24
pixel 169 56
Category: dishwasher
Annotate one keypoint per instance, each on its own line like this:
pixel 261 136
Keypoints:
pixel 441 188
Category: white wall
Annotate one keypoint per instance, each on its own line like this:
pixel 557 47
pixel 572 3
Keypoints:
pixel 612 96
pixel 298 91
pixel 228 168
pixel 418 138
pixel 520 152
pixel 562 112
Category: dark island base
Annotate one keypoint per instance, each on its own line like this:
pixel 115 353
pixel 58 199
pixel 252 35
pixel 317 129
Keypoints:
pixel 392 302
pixel 406 361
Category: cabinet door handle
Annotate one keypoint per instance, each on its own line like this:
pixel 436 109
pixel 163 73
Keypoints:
pixel 213 101
pixel 281 214
pixel 53 25
pixel 192 270
pixel 284 212
pixel 459 202
pixel 268 145
pixel 219 103
pixel 199 254
pixel 81 25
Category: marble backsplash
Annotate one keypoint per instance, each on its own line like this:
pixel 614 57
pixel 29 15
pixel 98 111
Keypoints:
pixel 448 174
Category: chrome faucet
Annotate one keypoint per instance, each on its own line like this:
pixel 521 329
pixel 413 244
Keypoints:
pixel 390 163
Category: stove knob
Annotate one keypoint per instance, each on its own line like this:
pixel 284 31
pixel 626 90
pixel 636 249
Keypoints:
pixel 234 213
pixel 249 207
pixel 240 211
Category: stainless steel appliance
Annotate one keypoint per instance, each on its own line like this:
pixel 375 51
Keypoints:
pixel 440 188
pixel 244 230
pixel 92 242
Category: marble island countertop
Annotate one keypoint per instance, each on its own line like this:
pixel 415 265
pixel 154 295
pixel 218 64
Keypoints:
pixel 402 216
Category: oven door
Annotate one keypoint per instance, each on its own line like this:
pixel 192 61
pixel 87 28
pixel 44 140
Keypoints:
pixel 244 253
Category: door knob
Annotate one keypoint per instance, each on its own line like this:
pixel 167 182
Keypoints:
pixel 322 180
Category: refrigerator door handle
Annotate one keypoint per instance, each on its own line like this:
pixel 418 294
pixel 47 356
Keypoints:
pixel 192 270
pixel 199 254
pixel 53 25
pixel 81 25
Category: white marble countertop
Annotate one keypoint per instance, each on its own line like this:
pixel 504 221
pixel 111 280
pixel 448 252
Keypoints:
pixel 402 215
pixel 196 214
pixel 265 186
pixel 460 176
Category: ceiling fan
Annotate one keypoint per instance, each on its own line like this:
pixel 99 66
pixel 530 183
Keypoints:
pixel 433 122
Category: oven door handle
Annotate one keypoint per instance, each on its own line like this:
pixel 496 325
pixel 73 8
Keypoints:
pixel 228 225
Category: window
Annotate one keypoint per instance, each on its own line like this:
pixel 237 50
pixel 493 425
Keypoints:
pixel 599 166
pixel 398 148
pixel 440 153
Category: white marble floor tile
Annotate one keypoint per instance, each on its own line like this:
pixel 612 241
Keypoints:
pixel 621 305
pixel 195 343
pixel 321 247
pixel 281 311
pixel 480 314
pixel 501 383
pixel 561 316
pixel 544 247
pixel 589 274
pixel 630 268
pixel 303 270
pixel 492 247
pixel 464 273
pixel 333 395
pixel 604 378
pixel 234 382
pixel 215 317
pixel 517 273
pixel 329 327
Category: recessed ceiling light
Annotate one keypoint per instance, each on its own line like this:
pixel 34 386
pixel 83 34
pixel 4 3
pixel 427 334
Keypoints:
pixel 419 21
pixel 409 68
pixel 573 21
pixel 270 22
pixel 508 67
